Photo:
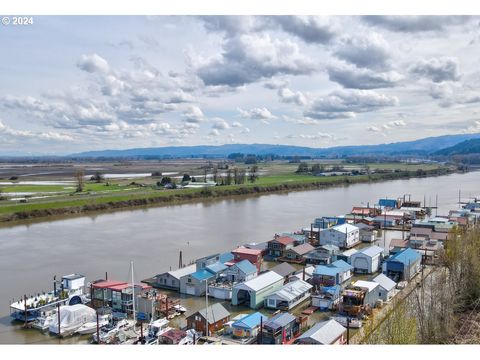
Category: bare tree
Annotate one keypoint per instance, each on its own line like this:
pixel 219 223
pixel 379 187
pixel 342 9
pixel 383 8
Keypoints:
pixel 80 177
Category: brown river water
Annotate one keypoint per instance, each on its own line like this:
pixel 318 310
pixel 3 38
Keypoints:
pixel 30 255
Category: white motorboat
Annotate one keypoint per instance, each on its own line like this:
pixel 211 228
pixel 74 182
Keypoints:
pixel 71 318
pixel 110 331
pixel 353 323
pixel 180 309
pixel 91 327
pixel 155 329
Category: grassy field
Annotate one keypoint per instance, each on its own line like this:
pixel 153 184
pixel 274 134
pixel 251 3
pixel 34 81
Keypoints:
pixel 275 177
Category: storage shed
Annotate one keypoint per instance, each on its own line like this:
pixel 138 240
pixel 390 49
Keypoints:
pixel 253 292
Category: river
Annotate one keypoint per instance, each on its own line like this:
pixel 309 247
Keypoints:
pixel 91 245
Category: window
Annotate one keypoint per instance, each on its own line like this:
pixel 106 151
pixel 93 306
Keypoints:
pixel 189 280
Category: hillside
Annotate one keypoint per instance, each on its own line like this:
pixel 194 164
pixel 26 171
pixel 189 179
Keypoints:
pixel 417 147
pixel 471 146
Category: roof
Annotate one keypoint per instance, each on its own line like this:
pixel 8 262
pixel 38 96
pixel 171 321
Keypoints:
pixel 283 269
pixel 174 334
pixel 330 247
pixel 280 320
pixel 372 251
pixel 202 274
pixel 261 281
pixel 325 332
pixel 246 267
pixel 342 265
pixel 345 228
pixel 327 270
pixel 405 256
pixel 104 284
pixel 303 249
pixel 187 270
pixel 292 290
pixel 385 282
pixel 246 251
pixel 73 277
pixel 216 312
pixel 370 285
pixel 223 258
pixel 216 267
pixel 349 252
pixel 284 240
pixel 250 321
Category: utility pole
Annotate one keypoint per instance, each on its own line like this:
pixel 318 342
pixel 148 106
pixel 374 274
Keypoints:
pixel 98 330
pixel 25 304
pixel 58 316
pixel 180 260
pixel 348 330
pixel 436 204
pixel 206 309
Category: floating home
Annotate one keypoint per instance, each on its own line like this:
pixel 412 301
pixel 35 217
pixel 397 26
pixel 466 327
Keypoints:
pixel 280 329
pixel 334 274
pixel 289 296
pixel 221 287
pixel 252 293
pixel 344 236
pixel 326 297
pixel 278 245
pixel 297 253
pixel 284 269
pixel 216 315
pixel 171 279
pixel 328 332
pixel 254 256
pixel 322 255
pixel 248 326
pixel 372 291
pixel 387 287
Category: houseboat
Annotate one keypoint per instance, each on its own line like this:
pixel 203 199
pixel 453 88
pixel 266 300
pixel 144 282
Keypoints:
pixel 68 291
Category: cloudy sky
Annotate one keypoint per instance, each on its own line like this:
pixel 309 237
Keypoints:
pixel 70 84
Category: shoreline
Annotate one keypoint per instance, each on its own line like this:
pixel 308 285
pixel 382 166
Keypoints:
pixel 205 194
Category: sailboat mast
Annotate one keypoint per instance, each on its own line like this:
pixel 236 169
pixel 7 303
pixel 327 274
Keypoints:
pixel 206 309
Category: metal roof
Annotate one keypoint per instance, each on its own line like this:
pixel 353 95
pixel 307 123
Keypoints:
pixel 327 270
pixel 370 285
pixel 303 248
pixel 292 290
pixel 216 267
pixel 385 282
pixel 202 274
pixel 177 274
pixel 345 228
pixel 250 321
pixel 344 266
pixel 246 251
pixel 280 320
pixel 223 258
pixel 349 252
pixel 372 251
pixel 246 267
pixel 216 312
pixel 406 256
pixel 283 269
pixel 325 332
pixel 261 281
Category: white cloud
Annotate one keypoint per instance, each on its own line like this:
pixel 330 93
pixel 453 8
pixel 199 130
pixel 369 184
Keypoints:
pixel 257 113
pixel 93 63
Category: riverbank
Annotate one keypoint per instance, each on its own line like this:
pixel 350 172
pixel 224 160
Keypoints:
pixel 45 210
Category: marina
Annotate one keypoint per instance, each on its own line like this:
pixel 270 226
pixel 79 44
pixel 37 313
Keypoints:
pixel 146 265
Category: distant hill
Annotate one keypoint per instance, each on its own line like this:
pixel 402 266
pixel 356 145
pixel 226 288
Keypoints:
pixel 471 146
pixel 417 147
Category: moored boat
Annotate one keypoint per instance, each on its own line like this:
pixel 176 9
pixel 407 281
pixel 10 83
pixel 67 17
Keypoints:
pixel 91 327
pixel 353 323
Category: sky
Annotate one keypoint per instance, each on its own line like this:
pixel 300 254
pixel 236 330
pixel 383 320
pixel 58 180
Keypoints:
pixel 80 83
